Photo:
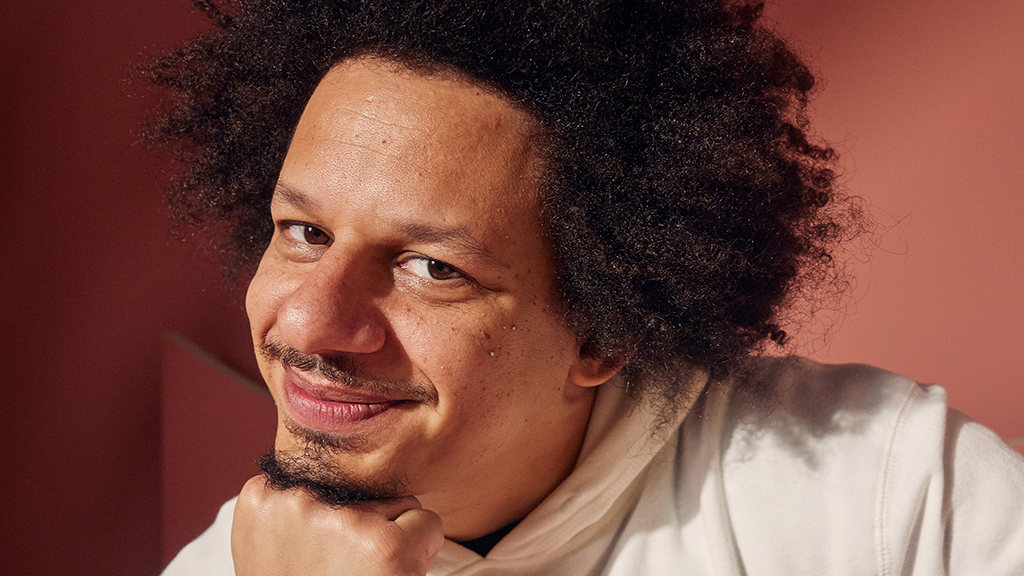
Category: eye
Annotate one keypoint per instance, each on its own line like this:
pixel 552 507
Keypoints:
pixel 307 234
pixel 432 269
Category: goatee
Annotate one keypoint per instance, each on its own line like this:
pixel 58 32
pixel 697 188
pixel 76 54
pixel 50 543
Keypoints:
pixel 312 474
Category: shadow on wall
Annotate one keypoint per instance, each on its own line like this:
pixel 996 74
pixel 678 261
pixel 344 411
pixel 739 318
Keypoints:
pixel 214 423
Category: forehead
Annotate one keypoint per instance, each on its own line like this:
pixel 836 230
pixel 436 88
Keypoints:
pixel 392 129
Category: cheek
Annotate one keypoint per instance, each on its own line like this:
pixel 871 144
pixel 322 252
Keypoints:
pixel 509 388
pixel 532 348
pixel 443 343
pixel 488 357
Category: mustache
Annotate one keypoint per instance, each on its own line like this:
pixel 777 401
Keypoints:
pixel 343 371
pixel 339 370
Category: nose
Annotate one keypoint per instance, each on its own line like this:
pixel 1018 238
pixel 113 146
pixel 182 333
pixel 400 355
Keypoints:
pixel 334 308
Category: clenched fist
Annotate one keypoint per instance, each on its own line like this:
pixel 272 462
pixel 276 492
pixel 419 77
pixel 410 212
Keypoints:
pixel 289 533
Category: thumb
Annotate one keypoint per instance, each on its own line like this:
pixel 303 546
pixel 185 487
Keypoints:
pixel 424 532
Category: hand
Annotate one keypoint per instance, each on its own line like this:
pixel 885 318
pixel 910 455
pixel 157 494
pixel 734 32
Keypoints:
pixel 289 533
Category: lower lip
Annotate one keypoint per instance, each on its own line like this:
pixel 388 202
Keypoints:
pixel 328 415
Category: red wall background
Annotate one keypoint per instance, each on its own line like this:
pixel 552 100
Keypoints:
pixel 925 102
pixel 923 98
pixel 90 279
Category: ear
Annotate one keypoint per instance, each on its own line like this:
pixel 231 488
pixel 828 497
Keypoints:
pixel 593 368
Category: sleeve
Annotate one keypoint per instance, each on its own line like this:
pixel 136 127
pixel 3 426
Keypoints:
pixel 951 504
pixel 984 528
pixel 210 553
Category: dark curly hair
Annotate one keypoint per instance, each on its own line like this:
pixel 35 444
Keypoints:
pixel 685 200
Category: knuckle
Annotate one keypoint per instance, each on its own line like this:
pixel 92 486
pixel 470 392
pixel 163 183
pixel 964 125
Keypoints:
pixel 390 544
pixel 252 495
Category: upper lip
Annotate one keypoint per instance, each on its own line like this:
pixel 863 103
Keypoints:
pixel 332 392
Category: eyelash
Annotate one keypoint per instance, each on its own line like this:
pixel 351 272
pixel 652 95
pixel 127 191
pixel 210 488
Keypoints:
pixel 301 237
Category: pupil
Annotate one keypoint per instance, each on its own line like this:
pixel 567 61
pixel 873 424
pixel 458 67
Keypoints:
pixel 313 234
pixel 439 270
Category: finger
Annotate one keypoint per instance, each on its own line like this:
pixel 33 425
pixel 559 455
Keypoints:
pixel 424 530
pixel 255 487
pixel 251 499
pixel 393 509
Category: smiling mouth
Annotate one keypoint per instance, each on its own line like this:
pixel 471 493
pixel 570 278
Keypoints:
pixel 333 409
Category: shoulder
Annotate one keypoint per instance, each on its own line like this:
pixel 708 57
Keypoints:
pixel 862 468
pixel 825 419
pixel 799 405
pixel 210 553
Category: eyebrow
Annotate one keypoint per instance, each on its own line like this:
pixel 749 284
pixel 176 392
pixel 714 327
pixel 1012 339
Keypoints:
pixel 459 237
pixel 295 198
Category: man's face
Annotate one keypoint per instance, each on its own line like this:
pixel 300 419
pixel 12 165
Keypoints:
pixel 408 255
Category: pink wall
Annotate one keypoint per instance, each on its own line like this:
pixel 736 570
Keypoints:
pixel 923 97
pixel 925 101
pixel 214 424
pixel 88 281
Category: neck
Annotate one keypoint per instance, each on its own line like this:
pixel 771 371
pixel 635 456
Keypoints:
pixel 501 489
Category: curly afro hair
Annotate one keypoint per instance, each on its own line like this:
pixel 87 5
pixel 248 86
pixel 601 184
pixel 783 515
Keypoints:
pixel 685 200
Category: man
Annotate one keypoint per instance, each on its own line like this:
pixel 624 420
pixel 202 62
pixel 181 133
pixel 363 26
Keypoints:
pixel 515 263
